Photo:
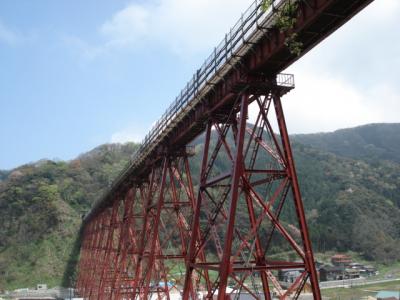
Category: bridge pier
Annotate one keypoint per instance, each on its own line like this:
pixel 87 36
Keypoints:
pixel 157 226
pixel 259 182
pixel 158 238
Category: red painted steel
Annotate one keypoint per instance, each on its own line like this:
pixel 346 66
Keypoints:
pixel 257 162
pixel 151 237
pixel 159 239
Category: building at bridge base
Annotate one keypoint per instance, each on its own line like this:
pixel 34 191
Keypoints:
pixel 227 233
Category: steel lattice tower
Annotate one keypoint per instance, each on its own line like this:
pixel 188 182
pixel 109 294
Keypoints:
pixel 237 224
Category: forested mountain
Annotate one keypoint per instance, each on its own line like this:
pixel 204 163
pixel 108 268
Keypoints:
pixel 40 213
pixel 369 142
pixel 3 175
pixel 351 196
pixel 351 204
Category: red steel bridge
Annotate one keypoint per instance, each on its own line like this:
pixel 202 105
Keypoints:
pixel 237 226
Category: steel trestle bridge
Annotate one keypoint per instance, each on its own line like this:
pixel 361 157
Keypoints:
pixel 160 234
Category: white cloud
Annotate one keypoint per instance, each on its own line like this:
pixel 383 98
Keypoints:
pixel 185 27
pixel 193 25
pixel 127 26
pixel 127 135
pixel 350 79
pixel 8 36
pixel 324 103
pixel 365 47
pixel 329 93
pixel 383 9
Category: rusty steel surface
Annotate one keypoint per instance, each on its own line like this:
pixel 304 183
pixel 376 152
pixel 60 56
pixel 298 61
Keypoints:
pixel 156 233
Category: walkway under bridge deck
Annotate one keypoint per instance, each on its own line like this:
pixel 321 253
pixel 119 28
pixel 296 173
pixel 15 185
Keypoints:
pixel 155 222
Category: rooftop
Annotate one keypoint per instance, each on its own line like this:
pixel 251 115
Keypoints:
pixel 388 294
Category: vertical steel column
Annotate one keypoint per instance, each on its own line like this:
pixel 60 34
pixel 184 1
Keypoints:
pixel 260 260
pixel 142 247
pixel 123 245
pixel 108 250
pixel 193 207
pixel 309 257
pixel 88 241
pixel 191 256
pixel 156 222
pixel 130 259
pixel 238 168
pixel 97 257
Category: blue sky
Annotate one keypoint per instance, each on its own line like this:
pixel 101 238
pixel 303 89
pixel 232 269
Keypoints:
pixel 76 74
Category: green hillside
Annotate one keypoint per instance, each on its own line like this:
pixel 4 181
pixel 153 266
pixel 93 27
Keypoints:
pixel 369 142
pixel 351 198
pixel 41 206
pixel 351 204
pixel 3 175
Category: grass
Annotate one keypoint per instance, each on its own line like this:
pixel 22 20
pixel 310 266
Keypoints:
pixel 392 270
pixel 359 292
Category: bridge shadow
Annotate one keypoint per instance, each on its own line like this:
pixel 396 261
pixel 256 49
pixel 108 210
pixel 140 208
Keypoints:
pixel 71 270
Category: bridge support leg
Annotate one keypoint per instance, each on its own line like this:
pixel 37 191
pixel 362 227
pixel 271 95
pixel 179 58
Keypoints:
pixel 89 241
pixel 245 232
pixel 249 206
pixel 154 241
pixel 193 255
pixel 308 253
pixel 141 250
pixel 105 278
pixel 238 171
pixel 125 241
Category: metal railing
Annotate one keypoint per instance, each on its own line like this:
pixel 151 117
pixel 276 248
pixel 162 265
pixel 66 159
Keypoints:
pixel 233 40
pixel 235 45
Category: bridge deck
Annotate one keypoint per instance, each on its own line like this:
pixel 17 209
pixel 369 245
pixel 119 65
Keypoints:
pixel 254 47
